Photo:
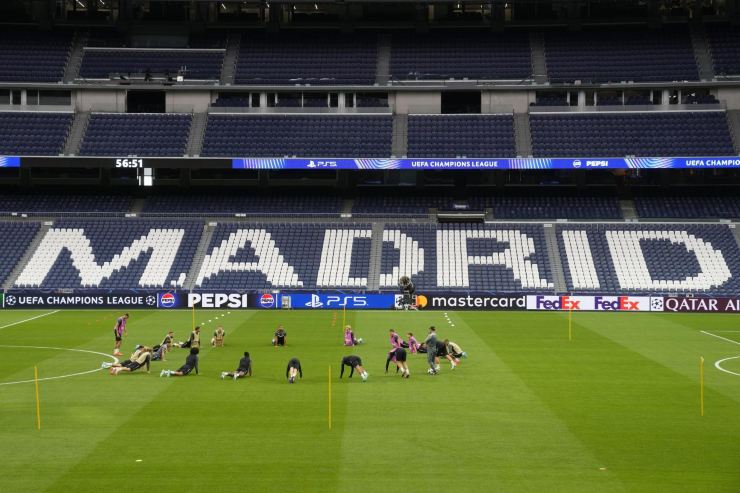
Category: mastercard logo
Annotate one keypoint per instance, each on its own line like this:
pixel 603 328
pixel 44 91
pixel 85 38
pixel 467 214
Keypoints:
pixel 421 301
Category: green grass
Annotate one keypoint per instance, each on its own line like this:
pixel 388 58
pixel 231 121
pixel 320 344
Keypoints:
pixel 616 409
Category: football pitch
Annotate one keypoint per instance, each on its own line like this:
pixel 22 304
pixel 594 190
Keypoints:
pixel 615 409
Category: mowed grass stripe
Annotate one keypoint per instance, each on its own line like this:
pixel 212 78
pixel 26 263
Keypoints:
pixel 638 416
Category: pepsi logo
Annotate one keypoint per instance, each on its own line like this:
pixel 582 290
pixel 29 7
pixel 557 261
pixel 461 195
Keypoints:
pixel 267 300
pixel 167 300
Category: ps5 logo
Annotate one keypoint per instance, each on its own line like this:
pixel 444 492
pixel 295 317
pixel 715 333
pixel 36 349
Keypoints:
pixel 315 302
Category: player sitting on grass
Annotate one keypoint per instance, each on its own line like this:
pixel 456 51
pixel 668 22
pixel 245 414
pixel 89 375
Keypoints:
pixel 244 369
pixel 191 363
pixel 413 343
pixel 218 337
pixel 349 337
pixel 455 350
pixel 293 370
pixel 126 362
pixel 281 337
pixel 143 358
pixel 398 356
pixel 354 362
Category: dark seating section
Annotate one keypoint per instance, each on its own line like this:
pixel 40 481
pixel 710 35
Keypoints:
pixel 619 54
pixel 651 134
pixel 458 55
pixel 688 206
pixel 245 203
pixel 461 135
pixel 724 45
pixel 197 65
pixel 20 235
pixel 32 133
pixel 121 134
pixel 298 135
pixel 307 58
pixel 33 56
pixel 45 203
pixel 380 203
pixel 228 101
pixel 550 206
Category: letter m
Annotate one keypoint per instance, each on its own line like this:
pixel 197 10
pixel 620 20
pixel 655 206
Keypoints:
pixel 163 244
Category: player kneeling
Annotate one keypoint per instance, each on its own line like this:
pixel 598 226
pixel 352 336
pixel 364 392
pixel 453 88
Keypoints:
pixel 398 356
pixel 281 337
pixel 191 363
pixel 354 362
pixel 293 370
pixel 244 369
pixel 218 337
pixel 143 357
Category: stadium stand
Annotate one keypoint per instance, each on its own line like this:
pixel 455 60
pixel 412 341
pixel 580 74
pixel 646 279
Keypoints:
pixel 245 203
pixel 33 133
pixel 615 55
pixel 69 204
pixel 33 56
pixel 121 134
pixel 688 207
pixel 194 65
pixel 112 254
pixel 724 46
pixel 20 235
pixel 650 258
pixel 550 206
pixel 381 203
pixel 264 256
pixel 460 55
pixel 461 135
pixel 675 133
pixel 408 251
pixel 298 135
pixel 315 58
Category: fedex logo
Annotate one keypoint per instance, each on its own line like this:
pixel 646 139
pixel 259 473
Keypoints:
pixel 557 303
pixel 616 303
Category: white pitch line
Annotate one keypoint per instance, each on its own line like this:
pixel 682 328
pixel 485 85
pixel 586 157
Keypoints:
pixel 719 337
pixel 115 360
pixel 29 319
pixel 718 365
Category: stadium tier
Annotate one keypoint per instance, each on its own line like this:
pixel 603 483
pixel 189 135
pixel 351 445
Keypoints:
pixel 32 133
pixel 298 135
pixel 19 236
pixel 119 134
pixel 193 64
pixel 597 258
pixel 246 203
pixel 724 47
pixel 615 55
pixel 704 133
pixel 687 206
pixel 32 56
pixel 55 204
pixel 550 206
pixel 310 58
pixel 461 135
pixel 461 55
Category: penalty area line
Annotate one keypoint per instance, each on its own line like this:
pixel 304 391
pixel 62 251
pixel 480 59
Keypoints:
pixel 719 337
pixel 29 319
pixel 115 360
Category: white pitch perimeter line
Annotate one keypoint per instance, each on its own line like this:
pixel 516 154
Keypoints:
pixel 29 319
pixel 115 360
pixel 719 337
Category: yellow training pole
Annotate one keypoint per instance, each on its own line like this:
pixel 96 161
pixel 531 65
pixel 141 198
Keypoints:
pixel 701 384
pixel 193 317
pixel 330 397
pixel 38 403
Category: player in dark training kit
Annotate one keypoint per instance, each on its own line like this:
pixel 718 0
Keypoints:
pixel 398 356
pixel 244 368
pixel 191 363
pixel 354 362
pixel 431 345
pixel 281 337
pixel 293 370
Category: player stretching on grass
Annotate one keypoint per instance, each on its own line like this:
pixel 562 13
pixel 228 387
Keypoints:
pixel 431 345
pixel 194 341
pixel 413 343
pixel 191 363
pixel 455 350
pixel 354 362
pixel 143 358
pixel 244 368
pixel 398 356
pixel 118 332
pixel 396 341
pixel 293 370
pixel 349 337
pixel 281 337
pixel 442 353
